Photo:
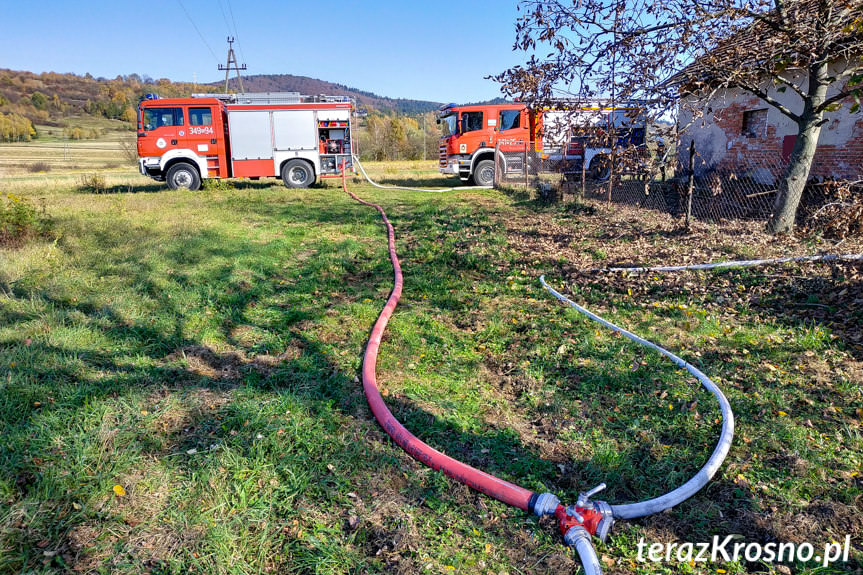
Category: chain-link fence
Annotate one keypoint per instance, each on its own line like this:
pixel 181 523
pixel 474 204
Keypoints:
pixel 682 185
pixel 520 166
pixel 744 191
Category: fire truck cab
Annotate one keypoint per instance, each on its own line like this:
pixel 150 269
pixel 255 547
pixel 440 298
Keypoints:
pixel 184 141
pixel 470 134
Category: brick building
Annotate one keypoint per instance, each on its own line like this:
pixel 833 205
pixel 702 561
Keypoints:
pixel 737 131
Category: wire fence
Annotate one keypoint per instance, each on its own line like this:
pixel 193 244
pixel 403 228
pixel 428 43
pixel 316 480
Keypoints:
pixel 682 185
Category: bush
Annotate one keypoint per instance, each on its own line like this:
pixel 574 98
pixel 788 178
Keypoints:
pixel 833 210
pixel 37 167
pixel 20 221
pixel 218 185
pixel 92 183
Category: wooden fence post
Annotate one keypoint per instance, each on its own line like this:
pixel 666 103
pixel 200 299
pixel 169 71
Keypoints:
pixel 690 188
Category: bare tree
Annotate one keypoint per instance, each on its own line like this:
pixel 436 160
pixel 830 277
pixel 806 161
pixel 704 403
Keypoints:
pixel 660 50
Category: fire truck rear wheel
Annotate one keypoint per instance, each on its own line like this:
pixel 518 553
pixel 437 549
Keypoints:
pixel 183 175
pixel 484 173
pixel 297 174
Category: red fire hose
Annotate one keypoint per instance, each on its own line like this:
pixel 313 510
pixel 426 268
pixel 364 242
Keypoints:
pixel 505 491
pixel 577 522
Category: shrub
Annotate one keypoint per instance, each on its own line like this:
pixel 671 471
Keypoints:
pixel 130 151
pixel 833 210
pixel 37 167
pixel 92 183
pixel 218 185
pixel 20 221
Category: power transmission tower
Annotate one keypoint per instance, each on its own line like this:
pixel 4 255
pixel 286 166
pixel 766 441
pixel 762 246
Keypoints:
pixel 232 65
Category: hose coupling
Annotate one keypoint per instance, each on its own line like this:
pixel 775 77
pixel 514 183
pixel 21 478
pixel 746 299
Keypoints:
pixel 575 534
pixel 605 524
pixel 546 504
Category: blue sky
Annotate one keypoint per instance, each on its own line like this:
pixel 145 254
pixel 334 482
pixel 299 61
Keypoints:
pixel 411 49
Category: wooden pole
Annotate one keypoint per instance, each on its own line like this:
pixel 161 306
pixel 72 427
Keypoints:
pixel 583 173
pixel 690 188
pixel 525 165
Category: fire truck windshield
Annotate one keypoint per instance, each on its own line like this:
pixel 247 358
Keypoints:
pixel 449 124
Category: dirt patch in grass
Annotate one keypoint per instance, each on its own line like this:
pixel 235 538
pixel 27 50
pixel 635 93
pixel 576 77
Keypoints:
pixel 231 365
pixel 203 361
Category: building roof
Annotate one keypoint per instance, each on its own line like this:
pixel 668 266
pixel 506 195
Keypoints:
pixel 780 40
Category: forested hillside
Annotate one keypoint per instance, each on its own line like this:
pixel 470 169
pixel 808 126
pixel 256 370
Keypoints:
pixel 28 100
pixel 306 85
pixel 52 99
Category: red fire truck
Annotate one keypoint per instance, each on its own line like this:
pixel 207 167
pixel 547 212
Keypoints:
pixel 574 137
pixel 183 141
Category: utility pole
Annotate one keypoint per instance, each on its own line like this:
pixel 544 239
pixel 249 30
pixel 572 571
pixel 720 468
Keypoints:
pixel 232 65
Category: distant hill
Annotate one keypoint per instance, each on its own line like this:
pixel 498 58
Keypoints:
pixel 60 100
pixel 312 86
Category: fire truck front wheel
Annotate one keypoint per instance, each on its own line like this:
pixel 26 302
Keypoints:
pixel 183 175
pixel 600 168
pixel 297 174
pixel 484 173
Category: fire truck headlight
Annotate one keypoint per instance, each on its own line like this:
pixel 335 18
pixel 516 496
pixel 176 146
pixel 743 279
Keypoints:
pixel 151 161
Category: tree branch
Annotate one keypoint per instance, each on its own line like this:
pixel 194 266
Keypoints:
pixel 767 98
pixel 837 98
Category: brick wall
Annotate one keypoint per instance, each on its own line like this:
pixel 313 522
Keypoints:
pixel 837 157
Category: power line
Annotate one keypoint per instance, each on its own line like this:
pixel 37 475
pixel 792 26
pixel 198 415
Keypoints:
pixel 195 26
pixel 224 17
pixel 239 44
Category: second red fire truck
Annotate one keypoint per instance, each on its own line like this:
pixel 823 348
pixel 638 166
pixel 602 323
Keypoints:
pixel 472 134
pixel 184 141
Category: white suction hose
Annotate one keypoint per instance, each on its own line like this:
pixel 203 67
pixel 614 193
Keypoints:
pixel 710 468
pixel 430 190
pixel 735 264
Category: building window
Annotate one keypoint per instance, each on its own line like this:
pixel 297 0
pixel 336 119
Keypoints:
pixel 755 123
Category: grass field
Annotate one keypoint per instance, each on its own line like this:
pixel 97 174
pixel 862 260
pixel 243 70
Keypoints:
pixel 52 156
pixel 179 382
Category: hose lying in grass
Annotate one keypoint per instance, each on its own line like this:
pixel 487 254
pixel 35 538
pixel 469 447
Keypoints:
pixel 432 190
pixel 734 264
pixel 572 519
pixel 688 489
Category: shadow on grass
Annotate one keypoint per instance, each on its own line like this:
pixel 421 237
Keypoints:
pixel 425 183
pixel 125 189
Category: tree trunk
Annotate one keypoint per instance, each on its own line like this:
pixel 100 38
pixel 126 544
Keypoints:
pixel 794 180
pixel 797 173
